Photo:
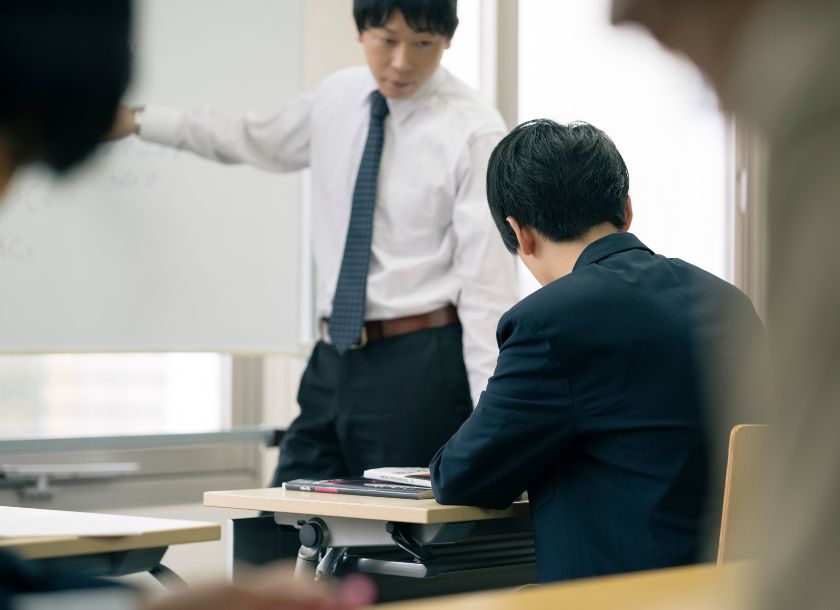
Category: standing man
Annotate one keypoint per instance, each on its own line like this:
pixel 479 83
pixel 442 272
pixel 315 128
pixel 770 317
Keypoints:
pixel 410 281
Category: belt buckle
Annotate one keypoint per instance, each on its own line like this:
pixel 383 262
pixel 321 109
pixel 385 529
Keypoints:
pixel 362 341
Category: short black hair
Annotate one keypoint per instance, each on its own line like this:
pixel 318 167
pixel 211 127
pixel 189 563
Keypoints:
pixel 560 180
pixel 435 16
pixel 64 66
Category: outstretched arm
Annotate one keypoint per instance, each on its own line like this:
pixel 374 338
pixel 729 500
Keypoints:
pixel 277 141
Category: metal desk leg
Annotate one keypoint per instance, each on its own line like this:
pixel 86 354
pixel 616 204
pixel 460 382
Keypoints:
pixel 254 541
pixel 326 566
pixel 313 537
pixel 168 578
pixel 307 560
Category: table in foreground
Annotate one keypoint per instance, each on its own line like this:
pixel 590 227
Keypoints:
pixel 139 548
pixel 700 587
pixel 413 548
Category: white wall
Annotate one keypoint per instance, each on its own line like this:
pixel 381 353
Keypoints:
pixel 147 248
pixel 660 112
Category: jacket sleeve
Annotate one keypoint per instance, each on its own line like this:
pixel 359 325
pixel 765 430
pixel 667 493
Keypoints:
pixel 523 423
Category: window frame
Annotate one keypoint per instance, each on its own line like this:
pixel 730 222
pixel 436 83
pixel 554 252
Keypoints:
pixel 182 465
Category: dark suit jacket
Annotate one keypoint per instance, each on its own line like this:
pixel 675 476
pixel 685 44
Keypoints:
pixel 598 408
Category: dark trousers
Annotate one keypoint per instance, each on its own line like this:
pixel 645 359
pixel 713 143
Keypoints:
pixel 394 402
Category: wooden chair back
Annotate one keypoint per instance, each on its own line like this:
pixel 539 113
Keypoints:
pixel 745 492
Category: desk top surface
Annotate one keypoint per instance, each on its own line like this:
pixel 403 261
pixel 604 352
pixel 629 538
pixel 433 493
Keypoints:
pixel 89 533
pixel 356 507
pixel 703 587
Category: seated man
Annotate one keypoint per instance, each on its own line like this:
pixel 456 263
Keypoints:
pixel 599 400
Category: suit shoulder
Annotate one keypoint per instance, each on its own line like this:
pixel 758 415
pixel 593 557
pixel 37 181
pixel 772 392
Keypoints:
pixel 569 294
pixel 561 302
pixel 712 283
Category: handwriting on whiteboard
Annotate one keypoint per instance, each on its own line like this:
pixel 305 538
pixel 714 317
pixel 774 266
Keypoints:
pixel 14 249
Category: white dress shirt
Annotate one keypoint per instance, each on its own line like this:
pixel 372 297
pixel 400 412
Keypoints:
pixel 434 241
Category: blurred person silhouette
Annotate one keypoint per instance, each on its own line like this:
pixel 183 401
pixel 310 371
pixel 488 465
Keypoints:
pixel 776 63
pixel 63 68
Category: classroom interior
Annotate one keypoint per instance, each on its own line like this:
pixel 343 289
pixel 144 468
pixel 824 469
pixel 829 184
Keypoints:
pixel 176 369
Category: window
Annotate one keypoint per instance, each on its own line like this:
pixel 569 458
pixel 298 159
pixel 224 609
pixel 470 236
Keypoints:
pixel 174 424
pixel 662 115
pixel 113 394
pixel 463 58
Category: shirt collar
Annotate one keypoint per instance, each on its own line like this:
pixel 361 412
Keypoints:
pixel 400 110
pixel 608 245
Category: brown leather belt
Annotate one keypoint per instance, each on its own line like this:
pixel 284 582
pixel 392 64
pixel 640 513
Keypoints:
pixel 373 330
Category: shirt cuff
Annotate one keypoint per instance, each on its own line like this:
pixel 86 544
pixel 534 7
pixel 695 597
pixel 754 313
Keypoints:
pixel 161 125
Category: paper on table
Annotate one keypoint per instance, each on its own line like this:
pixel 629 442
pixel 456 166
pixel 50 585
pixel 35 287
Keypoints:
pixel 16 522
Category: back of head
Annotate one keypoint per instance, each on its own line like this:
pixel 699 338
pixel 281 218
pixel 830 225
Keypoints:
pixel 560 180
pixel 435 16
pixel 64 65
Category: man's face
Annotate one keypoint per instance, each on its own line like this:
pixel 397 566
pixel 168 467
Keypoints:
pixel 401 58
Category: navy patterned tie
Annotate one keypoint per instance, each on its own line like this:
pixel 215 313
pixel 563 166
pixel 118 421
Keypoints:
pixel 348 311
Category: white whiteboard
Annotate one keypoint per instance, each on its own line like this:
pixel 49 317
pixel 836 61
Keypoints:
pixel 149 249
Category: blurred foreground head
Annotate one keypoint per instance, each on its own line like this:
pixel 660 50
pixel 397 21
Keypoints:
pixel 767 59
pixel 776 64
pixel 704 30
pixel 64 66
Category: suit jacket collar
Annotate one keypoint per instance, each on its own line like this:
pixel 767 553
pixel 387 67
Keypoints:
pixel 607 246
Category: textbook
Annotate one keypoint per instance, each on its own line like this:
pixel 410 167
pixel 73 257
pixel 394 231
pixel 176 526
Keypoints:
pixel 360 487
pixel 407 476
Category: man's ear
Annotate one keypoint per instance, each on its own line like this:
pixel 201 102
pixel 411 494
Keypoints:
pixel 524 235
pixel 628 214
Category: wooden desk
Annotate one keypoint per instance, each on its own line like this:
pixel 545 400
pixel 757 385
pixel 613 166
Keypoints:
pixel 105 555
pixel 704 587
pixel 428 547
pixel 279 500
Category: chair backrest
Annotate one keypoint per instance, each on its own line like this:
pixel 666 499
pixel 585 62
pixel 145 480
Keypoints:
pixel 745 492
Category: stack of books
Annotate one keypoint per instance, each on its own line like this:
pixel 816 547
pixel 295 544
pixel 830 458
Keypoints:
pixel 396 482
